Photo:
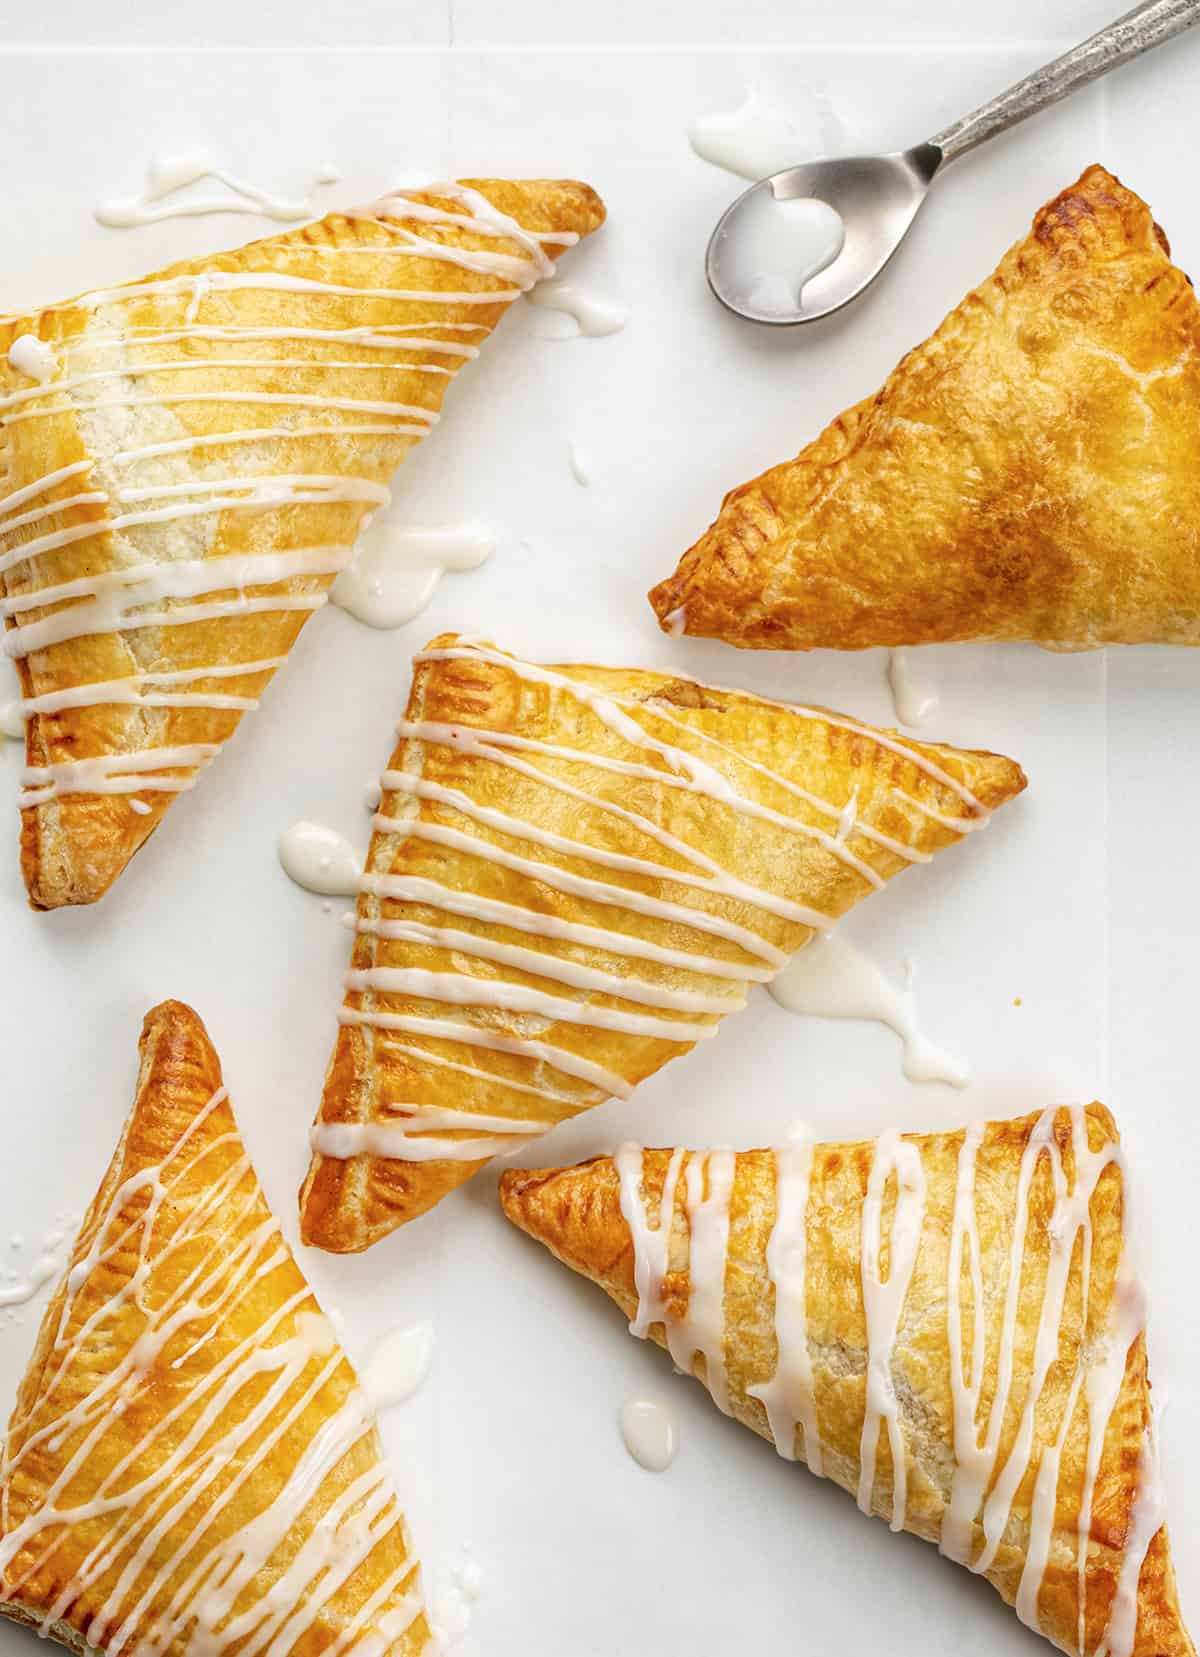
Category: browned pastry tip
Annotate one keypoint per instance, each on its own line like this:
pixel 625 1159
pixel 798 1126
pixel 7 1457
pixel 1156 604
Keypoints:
pixel 1025 473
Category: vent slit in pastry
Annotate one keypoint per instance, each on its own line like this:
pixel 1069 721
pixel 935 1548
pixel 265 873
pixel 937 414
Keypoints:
pixel 948 1326
pixel 182 490
pixel 575 873
pixel 191 1465
pixel 1026 473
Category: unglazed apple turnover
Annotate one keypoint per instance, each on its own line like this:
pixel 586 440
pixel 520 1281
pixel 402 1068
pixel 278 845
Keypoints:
pixel 1029 472
pixel 185 462
pixel 575 872
pixel 947 1326
pixel 191 1466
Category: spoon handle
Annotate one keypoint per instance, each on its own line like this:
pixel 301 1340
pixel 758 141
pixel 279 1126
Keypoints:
pixel 1146 25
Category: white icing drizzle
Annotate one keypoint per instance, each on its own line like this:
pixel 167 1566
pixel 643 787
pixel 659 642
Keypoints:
pixel 499 747
pixel 18 1291
pixel 169 175
pixel 491 911
pixel 110 596
pixel 129 692
pixel 459 989
pixel 650 1431
pixel 592 315
pixel 489 1135
pixel 690 870
pixel 984 1485
pixel 754 140
pixel 715 879
pixel 395 570
pixel 913 701
pixel 454 1601
pixel 883 1302
pixel 32 356
pixel 700 1330
pixel 607 1082
pixel 780 244
pixel 117 773
pixel 398 1365
pixel 580 461
pixel 190 1582
pixel 829 978
pixel 1145 1522
pixel 142 594
pixel 788 1397
pixel 651 1243
pixel 554 967
pixel 320 860
pixel 594 891
pixel 979 1469
pixel 12 720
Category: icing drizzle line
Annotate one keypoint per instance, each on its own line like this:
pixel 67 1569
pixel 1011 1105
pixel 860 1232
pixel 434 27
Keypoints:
pixel 173 1573
pixel 691 1012
pixel 146 591
pixel 985 1482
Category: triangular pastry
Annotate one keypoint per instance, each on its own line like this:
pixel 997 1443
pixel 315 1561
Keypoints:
pixel 575 872
pixel 185 463
pixel 1029 472
pixel 947 1326
pixel 191 1466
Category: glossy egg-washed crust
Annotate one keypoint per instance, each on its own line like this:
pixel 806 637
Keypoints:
pixel 1029 472
pixel 349 1204
pixel 179 1074
pixel 73 848
pixel 576 1213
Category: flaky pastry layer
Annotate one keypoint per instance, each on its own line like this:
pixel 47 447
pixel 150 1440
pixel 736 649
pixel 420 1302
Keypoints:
pixel 1027 473
pixel 185 462
pixel 575 872
pixel 945 1325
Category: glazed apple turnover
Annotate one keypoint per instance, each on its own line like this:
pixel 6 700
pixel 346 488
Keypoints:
pixel 1027 473
pixel 575 873
pixel 185 462
pixel 191 1466
pixel 947 1326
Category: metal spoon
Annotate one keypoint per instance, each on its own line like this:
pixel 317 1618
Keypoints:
pixel 877 196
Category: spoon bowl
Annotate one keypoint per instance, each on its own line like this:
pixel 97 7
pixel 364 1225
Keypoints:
pixel 875 196
pixel 761 269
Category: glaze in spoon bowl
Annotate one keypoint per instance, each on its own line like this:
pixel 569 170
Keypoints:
pixel 877 197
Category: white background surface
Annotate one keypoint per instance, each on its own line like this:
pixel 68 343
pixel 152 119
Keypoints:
pixel 1080 900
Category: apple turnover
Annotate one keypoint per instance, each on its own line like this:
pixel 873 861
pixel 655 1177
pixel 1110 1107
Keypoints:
pixel 575 872
pixel 191 1466
pixel 185 463
pixel 1028 472
pixel 947 1326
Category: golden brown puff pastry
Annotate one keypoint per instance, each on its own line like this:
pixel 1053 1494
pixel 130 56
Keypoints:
pixel 185 462
pixel 191 1466
pixel 575 873
pixel 1027 473
pixel 945 1325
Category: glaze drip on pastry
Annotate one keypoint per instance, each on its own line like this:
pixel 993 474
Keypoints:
pixel 191 1467
pixel 182 485
pixel 576 873
pixel 949 1327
